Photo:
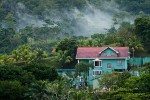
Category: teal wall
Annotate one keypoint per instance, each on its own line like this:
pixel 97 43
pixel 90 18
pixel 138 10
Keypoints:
pixel 104 62
pixel 108 51
pixel 95 84
pixel 114 65
pixel 131 61
pixel 66 71
pixel 146 59
pixel 138 61
pixel 104 68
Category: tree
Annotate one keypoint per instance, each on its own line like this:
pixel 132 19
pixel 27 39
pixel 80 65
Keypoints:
pixel 10 21
pixel 125 32
pixel 82 69
pixel 25 55
pixel 135 46
pixel 89 42
pixel 6 42
pixel 66 49
pixel 56 90
pixel 81 43
pixel 39 91
pixel 143 83
pixel 98 36
pixel 109 81
pixel 122 77
pixel 11 72
pixel 142 30
pixel 111 39
pixel 68 45
pixel 41 71
pixel 60 90
pixel 4 59
pixel 62 58
pixel 80 95
pixel 12 90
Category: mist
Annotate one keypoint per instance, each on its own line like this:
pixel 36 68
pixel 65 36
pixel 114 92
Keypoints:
pixel 25 19
pixel 92 21
pixel 86 22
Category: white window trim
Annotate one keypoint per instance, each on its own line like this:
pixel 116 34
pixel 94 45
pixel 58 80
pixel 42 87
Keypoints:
pixel 118 63
pixel 99 61
pixel 109 48
pixel 96 70
pixel 110 64
pixel 102 54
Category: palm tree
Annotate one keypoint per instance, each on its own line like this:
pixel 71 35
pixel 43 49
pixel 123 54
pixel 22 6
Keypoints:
pixel 98 42
pixel 4 59
pixel 60 90
pixel 90 42
pixel 81 43
pixel 62 58
pixel 135 45
pixel 39 91
pixel 80 95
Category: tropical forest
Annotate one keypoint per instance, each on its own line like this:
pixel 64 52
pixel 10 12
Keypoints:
pixel 39 41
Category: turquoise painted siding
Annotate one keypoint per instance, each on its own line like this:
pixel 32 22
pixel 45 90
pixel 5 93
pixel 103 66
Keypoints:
pixel 109 52
pixel 66 71
pixel 95 84
pixel 103 67
pixel 146 59
pixel 114 64
pixel 138 61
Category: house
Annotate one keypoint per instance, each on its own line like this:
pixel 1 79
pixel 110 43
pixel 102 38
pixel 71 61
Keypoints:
pixel 103 59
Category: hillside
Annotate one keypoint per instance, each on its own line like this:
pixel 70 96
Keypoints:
pixel 74 49
pixel 42 22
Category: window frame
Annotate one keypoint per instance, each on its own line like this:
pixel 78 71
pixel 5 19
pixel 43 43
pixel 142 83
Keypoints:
pixel 104 54
pixel 113 54
pixel 99 71
pixel 119 62
pixel 109 65
pixel 100 63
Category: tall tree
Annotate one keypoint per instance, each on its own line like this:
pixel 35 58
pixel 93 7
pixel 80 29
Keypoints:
pixel 68 48
pixel 142 30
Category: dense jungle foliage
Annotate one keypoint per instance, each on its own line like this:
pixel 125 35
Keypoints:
pixel 39 36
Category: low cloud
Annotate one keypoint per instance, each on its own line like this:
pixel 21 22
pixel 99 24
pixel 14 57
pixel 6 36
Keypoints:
pixel 86 22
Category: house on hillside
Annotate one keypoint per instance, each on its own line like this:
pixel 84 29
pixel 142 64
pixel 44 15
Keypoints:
pixel 103 59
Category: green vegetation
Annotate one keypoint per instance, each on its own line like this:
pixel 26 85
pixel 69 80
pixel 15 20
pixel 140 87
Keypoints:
pixel 39 36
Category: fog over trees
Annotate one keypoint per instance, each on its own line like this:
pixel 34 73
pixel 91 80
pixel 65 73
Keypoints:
pixel 38 37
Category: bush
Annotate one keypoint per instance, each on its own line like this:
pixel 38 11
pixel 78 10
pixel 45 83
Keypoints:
pixel 12 90
pixel 42 72
pixel 9 72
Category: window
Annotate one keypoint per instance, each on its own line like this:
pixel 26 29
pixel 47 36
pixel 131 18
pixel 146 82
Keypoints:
pixel 119 62
pixel 104 54
pixel 97 72
pixel 97 63
pixel 112 54
pixel 108 65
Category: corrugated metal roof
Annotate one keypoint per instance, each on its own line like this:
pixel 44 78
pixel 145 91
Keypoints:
pixel 94 52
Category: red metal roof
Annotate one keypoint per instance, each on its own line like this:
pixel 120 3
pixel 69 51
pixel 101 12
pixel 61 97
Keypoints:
pixel 94 52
